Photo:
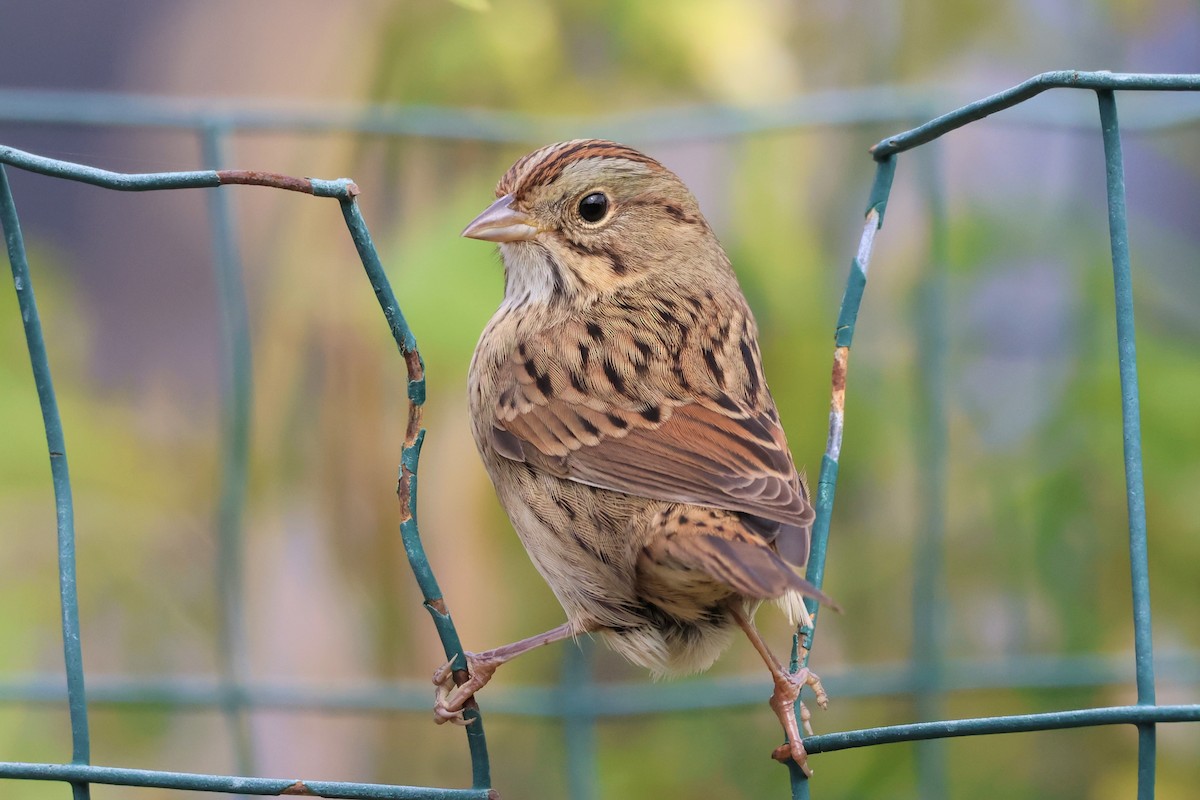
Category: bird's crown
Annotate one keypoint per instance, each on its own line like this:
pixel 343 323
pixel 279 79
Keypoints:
pixel 544 166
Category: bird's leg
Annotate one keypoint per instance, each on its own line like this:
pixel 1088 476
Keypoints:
pixel 456 687
pixel 787 692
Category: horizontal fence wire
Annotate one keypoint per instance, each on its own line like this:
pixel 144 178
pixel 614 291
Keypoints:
pixel 879 105
pixel 611 699
pixel 83 774
pixel 589 702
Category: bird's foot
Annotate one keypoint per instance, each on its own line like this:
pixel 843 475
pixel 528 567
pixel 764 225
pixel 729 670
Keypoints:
pixel 450 696
pixel 783 702
pixel 455 688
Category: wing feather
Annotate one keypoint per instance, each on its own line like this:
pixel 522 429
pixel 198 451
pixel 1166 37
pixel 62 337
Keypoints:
pixel 684 419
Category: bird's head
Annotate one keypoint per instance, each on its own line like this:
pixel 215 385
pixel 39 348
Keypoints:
pixel 581 218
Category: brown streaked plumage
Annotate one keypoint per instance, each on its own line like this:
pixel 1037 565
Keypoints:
pixel 618 401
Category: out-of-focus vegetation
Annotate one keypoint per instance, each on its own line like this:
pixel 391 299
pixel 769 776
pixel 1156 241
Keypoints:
pixel 1035 549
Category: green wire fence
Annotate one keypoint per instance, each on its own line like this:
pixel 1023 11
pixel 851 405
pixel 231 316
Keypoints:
pixel 1145 713
pixel 928 676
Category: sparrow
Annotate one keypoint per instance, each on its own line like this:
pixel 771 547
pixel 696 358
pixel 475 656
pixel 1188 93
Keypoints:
pixel 618 401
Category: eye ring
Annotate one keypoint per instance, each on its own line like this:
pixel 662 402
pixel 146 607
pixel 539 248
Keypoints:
pixel 593 207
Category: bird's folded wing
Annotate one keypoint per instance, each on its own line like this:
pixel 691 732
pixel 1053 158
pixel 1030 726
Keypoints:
pixel 715 449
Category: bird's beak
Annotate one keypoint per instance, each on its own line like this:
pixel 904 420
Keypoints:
pixel 501 223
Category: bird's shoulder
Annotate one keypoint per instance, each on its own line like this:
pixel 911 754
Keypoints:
pixel 667 344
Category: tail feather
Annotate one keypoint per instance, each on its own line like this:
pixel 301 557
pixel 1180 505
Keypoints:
pixel 749 568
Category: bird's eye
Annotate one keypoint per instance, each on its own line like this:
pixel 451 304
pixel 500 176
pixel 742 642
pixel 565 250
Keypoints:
pixel 593 207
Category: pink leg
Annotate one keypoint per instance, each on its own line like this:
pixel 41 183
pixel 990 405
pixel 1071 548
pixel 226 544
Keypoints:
pixel 455 688
pixel 787 692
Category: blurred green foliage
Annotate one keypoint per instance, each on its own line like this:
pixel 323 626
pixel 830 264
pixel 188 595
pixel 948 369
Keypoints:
pixel 1035 548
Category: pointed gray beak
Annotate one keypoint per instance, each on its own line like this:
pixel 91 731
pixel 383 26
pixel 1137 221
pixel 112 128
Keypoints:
pixel 501 223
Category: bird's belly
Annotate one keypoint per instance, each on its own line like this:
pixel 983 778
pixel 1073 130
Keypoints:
pixel 579 544
pixel 684 635
pixel 667 645
pixel 585 542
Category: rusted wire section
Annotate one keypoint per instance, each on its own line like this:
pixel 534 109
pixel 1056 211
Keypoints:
pixel 254 177
pixel 843 336
pixel 413 436
pixel 406 486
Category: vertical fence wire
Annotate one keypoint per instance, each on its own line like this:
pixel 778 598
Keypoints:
pixel 61 474
pixel 856 284
pixel 236 404
pixel 407 485
pixel 931 441
pixel 579 721
pixel 1131 426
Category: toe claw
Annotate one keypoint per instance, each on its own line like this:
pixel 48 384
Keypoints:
pixel 443 715
pixel 818 690
pixel 786 752
pixel 806 719
pixel 444 673
pixel 801 758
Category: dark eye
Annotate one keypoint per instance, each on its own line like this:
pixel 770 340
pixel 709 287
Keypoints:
pixel 593 207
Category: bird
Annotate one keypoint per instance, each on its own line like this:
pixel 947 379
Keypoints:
pixel 618 402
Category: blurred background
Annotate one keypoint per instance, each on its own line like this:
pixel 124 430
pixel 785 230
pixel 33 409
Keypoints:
pixel 986 335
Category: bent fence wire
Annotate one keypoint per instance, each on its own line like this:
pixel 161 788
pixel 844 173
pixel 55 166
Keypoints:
pixel 234 696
